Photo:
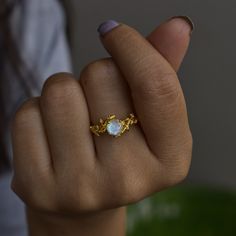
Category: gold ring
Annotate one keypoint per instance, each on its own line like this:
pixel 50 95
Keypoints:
pixel 113 126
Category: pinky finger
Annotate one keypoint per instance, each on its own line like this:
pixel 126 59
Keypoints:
pixel 31 156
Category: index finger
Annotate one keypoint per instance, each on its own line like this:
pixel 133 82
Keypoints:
pixel 155 88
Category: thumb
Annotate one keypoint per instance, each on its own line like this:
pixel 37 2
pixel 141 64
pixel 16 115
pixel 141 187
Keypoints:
pixel 172 39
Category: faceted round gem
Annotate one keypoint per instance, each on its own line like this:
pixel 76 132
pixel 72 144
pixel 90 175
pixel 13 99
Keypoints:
pixel 114 127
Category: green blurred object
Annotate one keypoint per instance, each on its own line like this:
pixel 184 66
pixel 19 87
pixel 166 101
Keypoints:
pixel 184 210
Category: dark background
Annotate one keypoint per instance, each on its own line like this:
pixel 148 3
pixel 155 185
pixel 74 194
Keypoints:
pixel 207 75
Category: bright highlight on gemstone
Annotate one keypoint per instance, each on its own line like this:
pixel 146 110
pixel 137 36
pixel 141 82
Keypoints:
pixel 114 127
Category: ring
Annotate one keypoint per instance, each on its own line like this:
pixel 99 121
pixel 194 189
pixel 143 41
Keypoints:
pixel 113 126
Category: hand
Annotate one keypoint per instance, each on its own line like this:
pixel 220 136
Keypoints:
pixel 61 167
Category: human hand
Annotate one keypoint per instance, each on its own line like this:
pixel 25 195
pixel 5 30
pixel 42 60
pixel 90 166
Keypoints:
pixel 61 167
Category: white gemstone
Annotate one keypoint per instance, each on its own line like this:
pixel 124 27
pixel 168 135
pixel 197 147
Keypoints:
pixel 114 127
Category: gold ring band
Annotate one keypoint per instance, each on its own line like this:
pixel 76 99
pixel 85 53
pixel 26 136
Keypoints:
pixel 113 126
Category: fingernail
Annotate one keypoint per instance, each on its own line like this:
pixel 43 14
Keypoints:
pixel 188 20
pixel 106 27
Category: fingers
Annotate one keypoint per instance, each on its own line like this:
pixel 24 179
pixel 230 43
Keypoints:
pixel 172 39
pixel 105 89
pixel 107 93
pixel 28 129
pixel 32 162
pixel 65 116
pixel 155 89
pixel 127 160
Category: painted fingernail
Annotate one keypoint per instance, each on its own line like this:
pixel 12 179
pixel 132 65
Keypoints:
pixel 188 20
pixel 106 27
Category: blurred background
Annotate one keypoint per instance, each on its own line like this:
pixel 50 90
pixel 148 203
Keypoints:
pixel 205 203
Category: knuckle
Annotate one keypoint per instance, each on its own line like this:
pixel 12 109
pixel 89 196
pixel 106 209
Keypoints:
pixel 181 173
pixel 58 87
pixel 77 200
pixel 96 72
pixel 132 188
pixel 159 87
pixel 30 193
pixel 133 182
pixel 26 112
pixel 168 86
pixel 178 173
pixel 133 192
pixel 55 78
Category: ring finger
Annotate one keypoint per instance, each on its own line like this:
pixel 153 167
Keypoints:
pixel 107 93
pixel 125 161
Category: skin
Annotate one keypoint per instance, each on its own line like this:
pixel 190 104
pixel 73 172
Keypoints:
pixel 76 183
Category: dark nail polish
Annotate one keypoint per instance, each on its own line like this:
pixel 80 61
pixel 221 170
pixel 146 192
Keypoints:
pixel 188 20
pixel 107 26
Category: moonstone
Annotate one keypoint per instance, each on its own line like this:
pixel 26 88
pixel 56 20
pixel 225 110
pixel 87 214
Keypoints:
pixel 114 127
